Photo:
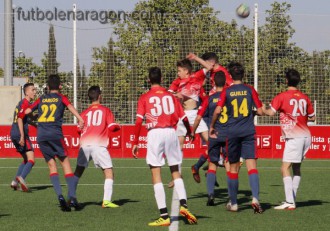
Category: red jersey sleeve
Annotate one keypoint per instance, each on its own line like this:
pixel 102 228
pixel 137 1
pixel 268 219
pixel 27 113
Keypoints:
pixel 141 107
pixel 255 97
pixel 222 99
pixel 202 109
pixel 174 85
pixel 276 103
pixel 33 107
pixel 65 100
pixel 200 75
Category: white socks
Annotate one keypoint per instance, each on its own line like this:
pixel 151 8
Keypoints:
pixel 288 189
pixel 108 183
pixel 179 188
pixel 160 195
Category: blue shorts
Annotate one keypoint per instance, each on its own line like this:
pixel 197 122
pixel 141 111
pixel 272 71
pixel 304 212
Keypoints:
pixel 215 147
pixel 244 147
pixel 53 148
pixel 23 149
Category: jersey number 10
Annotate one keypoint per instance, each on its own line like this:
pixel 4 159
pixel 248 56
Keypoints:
pixel 94 118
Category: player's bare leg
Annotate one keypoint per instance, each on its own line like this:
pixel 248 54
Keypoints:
pixel 181 140
pixel 289 202
pixel 108 189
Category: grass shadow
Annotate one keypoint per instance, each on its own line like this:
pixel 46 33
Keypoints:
pixel 42 187
pixel 121 202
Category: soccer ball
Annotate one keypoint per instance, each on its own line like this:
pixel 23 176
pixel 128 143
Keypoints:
pixel 243 11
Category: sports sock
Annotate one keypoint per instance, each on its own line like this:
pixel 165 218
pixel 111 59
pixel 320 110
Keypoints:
pixel 228 173
pixel 202 159
pixel 160 195
pixel 56 183
pixel 295 184
pixel 71 186
pixel 233 187
pixel 19 170
pixel 254 182
pixel 27 168
pixel 75 182
pixel 288 189
pixel 108 185
pixel 163 213
pixel 179 188
pixel 210 179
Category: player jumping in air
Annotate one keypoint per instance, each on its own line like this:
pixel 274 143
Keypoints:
pixel 239 99
pixel 295 110
pixel 188 89
pixel 94 140
pixel 21 139
pixel 50 138
pixel 162 112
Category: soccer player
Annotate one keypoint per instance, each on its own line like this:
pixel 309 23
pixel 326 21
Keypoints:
pixel 212 59
pixel 94 140
pixel 295 110
pixel 162 112
pixel 189 92
pixel 216 145
pixel 50 138
pixel 21 139
pixel 239 100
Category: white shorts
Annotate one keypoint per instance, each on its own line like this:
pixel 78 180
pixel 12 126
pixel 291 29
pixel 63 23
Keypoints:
pixel 191 115
pixel 295 149
pixel 163 142
pixel 99 155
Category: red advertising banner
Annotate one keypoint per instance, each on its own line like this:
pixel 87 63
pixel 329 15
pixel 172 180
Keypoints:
pixel 270 143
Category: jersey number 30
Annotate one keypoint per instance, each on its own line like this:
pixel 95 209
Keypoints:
pixel 164 105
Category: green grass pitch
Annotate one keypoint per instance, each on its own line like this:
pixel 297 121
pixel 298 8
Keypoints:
pixel 39 209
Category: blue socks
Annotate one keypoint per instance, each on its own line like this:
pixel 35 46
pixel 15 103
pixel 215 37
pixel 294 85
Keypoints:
pixel 56 183
pixel 27 168
pixel 233 187
pixel 210 179
pixel 254 182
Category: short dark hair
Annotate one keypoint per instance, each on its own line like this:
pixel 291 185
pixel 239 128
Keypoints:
pixel 220 79
pixel 293 77
pixel 26 86
pixel 93 93
pixel 236 70
pixel 185 63
pixel 155 75
pixel 54 82
pixel 210 56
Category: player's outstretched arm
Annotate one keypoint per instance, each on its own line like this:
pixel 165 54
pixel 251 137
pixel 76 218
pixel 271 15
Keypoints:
pixel 202 62
pixel 195 125
pixel 76 114
pixel 267 111
pixel 187 125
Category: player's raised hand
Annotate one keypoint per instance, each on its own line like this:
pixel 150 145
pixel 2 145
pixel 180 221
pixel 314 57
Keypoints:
pixel 213 133
pixel 135 151
pixel 191 56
